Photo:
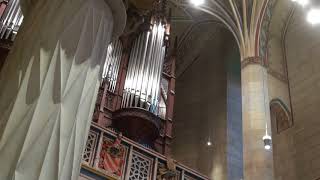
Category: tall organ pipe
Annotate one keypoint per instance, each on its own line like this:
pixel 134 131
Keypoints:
pixel 142 83
pixel 11 20
pixel 112 64
pixel 137 66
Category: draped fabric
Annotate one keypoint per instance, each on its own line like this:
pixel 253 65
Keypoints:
pixel 48 88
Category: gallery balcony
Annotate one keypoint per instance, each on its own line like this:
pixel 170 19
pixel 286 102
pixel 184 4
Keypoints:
pixel 103 158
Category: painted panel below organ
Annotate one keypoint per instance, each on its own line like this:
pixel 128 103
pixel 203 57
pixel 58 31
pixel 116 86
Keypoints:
pixel 119 158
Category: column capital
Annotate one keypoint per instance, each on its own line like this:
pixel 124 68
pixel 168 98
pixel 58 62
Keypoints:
pixel 252 60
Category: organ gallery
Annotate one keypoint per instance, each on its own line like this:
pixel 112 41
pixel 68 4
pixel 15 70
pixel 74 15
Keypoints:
pixel 159 90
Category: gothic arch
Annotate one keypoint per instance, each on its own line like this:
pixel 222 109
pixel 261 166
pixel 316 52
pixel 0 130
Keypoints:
pixel 280 115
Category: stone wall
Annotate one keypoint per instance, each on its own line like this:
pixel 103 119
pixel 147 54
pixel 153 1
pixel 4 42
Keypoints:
pixel 297 149
pixel 208 103
pixel 200 112
pixel 303 52
pixel 283 148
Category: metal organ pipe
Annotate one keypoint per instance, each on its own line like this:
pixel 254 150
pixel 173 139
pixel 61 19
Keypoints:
pixel 11 20
pixel 116 67
pixel 112 64
pixel 142 83
pixel 144 63
pixel 140 70
pixel 136 69
pixel 129 77
pixel 158 71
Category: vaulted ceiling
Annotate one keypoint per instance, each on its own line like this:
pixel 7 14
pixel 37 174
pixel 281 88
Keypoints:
pixel 195 25
pixel 194 28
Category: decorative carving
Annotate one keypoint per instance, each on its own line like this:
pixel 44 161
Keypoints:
pixel 112 156
pixel 264 30
pixel 134 21
pixel 96 113
pixel 167 67
pixel 167 171
pixel 109 100
pixel 162 128
pixel 164 87
pixel 88 154
pixel 280 115
pixel 100 95
pixel 252 60
pixel 140 167
pixel 186 177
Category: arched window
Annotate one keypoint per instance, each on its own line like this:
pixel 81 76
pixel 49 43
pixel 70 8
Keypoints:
pixel 280 115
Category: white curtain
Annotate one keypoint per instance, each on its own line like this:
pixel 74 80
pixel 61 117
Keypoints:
pixel 48 88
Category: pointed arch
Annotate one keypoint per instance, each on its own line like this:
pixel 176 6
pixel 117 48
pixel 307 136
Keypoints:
pixel 280 115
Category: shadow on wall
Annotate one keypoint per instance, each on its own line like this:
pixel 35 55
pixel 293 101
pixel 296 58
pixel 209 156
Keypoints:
pixel 3 56
pixel 208 104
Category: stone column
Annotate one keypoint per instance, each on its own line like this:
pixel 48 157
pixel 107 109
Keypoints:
pixel 48 86
pixel 258 162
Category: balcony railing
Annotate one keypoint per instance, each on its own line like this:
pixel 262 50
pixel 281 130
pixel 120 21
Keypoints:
pixel 106 158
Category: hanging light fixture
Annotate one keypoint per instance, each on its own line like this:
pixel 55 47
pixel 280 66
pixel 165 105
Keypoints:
pixel 209 143
pixel 313 16
pixel 313 8
pixel 267 142
pixel 197 2
pixel 266 138
pixel 302 2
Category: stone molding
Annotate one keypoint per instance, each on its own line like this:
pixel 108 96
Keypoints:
pixel 277 75
pixel 252 60
pixel 258 60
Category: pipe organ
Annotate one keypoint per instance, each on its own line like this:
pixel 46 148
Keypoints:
pixel 112 64
pixel 142 85
pixel 136 96
pixel 11 19
pixel 142 105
